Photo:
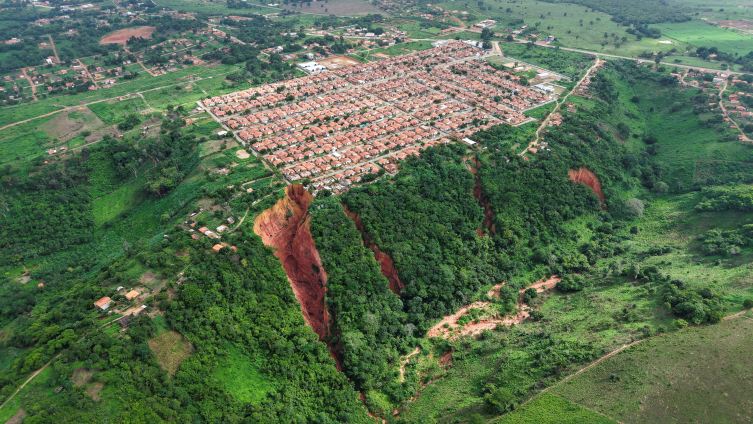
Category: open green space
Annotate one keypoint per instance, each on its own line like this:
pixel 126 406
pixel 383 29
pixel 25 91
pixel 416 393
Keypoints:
pixel 552 409
pixel 241 376
pixel 695 375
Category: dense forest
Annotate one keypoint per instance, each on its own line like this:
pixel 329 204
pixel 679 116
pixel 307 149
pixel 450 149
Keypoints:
pixel 426 222
pixel 367 321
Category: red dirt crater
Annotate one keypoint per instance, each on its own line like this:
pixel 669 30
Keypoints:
pixel 121 36
pixel 285 226
pixel 583 175
pixel 387 267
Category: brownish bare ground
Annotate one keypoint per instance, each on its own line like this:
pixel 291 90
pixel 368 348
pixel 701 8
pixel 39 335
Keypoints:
pixel 81 376
pixel 121 36
pixel 386 265
pixel 18 418
pixel 483 202
pixel 94 390
pixel 285 226
pixel 490 322
pixel 590 179
pixel 338 62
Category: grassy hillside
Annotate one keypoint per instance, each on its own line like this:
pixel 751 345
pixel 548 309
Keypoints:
pixel 700 375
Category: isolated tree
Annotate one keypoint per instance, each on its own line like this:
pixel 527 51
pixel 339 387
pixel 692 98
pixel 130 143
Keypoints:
pixel 634 207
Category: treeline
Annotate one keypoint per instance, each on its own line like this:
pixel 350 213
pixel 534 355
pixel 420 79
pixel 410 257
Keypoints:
pixel 367 321
pixel 426 221
pixel 632 12
pixel 738 197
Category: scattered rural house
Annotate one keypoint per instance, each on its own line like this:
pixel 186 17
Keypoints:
pixel 132 295
pixel 217 247
pixel 103 303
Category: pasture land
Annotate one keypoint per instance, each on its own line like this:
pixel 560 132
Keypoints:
pixel 697 375
pixel 171 349
pixel 337 7
pixel 701 34
pixel 551 409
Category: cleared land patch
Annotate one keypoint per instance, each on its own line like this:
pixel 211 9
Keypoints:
pixel 171 350
pixel 698 375
pixel 338 62
pixel 121 36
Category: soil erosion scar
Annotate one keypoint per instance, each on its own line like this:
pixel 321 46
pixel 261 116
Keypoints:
pixel 483 202
pixel 583 175
pixel 285 226
pixel 387 267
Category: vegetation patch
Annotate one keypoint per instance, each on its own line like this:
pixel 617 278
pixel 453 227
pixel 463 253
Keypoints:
pixel 678 376
pixel 551 409
pixel 171 349
pixel 242 377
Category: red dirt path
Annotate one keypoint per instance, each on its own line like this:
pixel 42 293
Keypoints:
pixel 121 36
pixel 590 179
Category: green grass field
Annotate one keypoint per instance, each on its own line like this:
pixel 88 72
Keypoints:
pixel 242 377
pixel 700 34
pixel 698 375
pixel 551 409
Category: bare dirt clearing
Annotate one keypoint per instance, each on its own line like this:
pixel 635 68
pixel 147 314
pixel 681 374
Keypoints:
pixel 488 322
pixel 94 390
pixel 81 376
pixel 171 349
pixel 121 36
pixel 18 418
pixel 590 179
pixel 338 62
pixel 242 154
pixel 66 126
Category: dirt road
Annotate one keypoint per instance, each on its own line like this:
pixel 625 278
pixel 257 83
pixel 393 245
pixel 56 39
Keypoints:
pixel 27 381
pixel 54 50
pixel 560 101
pixel 724 110
pixel 31 83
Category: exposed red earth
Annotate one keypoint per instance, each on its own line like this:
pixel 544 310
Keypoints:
pixel 121 36
pixel 488 214
pixel 583 175
pixel 387 267
pixel 490 322
pixel 285 226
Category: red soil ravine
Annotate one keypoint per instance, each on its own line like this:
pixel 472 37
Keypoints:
pixel 583 175
pixel 483 202
pixel 285 226
pixel 387 266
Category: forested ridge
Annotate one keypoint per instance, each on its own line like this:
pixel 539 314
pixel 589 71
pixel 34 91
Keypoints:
pixel 367 322
pixel 235 307
pixel 426 222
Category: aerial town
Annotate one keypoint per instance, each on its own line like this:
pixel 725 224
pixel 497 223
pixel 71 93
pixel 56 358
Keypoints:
pixel 334 127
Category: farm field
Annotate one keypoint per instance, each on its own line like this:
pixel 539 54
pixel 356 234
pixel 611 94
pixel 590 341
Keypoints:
pixel 337 7
pixel 700 34
pixel 700 375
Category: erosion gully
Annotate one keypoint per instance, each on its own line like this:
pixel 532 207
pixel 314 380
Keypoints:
pixel 286 227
